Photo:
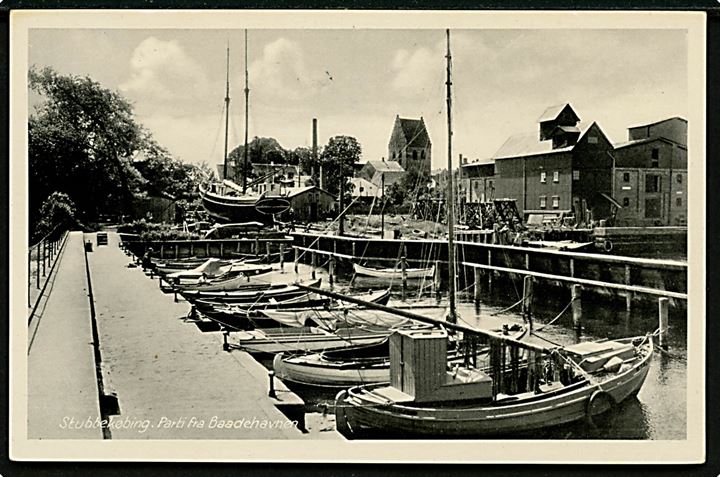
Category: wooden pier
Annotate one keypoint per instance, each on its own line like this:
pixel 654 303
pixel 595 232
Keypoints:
pixel 613 275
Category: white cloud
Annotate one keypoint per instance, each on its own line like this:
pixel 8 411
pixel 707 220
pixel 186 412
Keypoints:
pixel 283 72
pixel 162 72
pixel 416 72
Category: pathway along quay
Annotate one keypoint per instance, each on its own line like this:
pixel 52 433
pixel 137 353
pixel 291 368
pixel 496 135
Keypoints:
pixel 158 376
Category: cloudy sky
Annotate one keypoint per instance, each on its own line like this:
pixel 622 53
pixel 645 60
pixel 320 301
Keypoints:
pixel 356 81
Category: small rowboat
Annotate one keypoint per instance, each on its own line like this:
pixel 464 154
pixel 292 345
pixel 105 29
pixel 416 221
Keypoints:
pixel 236 277
pixel 394 273
pixel 352 366
pixel 307 339
pixel 249 293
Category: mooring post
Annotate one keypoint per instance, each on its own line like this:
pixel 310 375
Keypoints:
pixel 297 258
pixel 663 307
pixel 162 250
pixel 257 247
pixel 267 252
pixel 628 294
pixel 271 392
pixel 527 300
pixel 437 282
pixel 477 276
pixel 313 261
pixel 353 249
pixel 282 257
pixel 177 251
pixel 577 307
pixel 331 271
pixel 226 346
pixel 175 294
pixel 221 249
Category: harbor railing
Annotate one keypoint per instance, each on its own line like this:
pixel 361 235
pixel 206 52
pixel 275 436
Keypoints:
pixel 41 259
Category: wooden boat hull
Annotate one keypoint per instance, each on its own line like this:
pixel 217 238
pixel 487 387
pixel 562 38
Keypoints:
pixel 233 209
pixel 358 412
pixel 307 340
pixel 250 293
pixel 395 274
pixel 240 277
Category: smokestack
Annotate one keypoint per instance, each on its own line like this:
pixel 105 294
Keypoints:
pixel 314 151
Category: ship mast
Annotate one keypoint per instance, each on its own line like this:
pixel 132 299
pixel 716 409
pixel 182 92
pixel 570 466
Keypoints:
pixel 452 317
pixel 247 96
pixel 227 110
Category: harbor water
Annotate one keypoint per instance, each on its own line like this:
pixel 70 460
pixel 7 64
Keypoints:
pixel 658 412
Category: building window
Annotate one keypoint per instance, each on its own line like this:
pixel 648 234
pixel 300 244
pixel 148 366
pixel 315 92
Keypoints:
pixel 626 201
pixel 543 177
pixel 362 189
pixel 592 140
pixel 414 155
pixel 678 201
pixel 393 155
pixel 652 208
pixel 556 176
pixel 652 183
pixel 655 156
pixel 679 179
pixel 576 175
pixel 543 201
pixel 556 202
pixel 626 177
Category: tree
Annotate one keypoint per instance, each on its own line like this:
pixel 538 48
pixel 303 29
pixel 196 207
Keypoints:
pixel 338 159
pixel 81 139
pixel 56 210
pixel 261 150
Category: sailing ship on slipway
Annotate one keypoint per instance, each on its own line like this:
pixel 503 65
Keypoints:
pixel 227 201
pixel 539 388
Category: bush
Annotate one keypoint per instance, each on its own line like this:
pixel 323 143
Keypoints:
pixel 150 231
pixel 57 209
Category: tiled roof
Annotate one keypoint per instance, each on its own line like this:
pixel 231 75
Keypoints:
pixel 529 144
pixel 415 132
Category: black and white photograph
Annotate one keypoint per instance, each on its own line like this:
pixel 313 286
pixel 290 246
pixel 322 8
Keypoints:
pixel 357 236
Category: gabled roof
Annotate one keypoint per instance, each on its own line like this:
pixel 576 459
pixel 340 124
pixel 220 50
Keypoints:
pixel 414 131
pixel 386 166
pixel 657 122
pixel 553 112
pixel 292 192
pixel 646 140
pixel 528 144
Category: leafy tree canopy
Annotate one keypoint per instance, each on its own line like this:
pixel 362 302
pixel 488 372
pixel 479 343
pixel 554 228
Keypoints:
pixel 338 158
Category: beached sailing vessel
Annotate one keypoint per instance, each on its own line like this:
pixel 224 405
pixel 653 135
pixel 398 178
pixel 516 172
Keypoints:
pixel 227 201
pixel 555 386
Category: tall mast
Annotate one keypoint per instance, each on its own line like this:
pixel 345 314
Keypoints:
pixel 247 96
pixel 452 317
pixel 227 110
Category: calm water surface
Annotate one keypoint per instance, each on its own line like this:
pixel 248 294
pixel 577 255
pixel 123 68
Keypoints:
pixel 658 411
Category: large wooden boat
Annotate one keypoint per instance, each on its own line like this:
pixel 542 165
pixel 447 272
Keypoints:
pixel 426 400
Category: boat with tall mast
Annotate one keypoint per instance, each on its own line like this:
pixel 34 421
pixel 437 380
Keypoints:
pixel 226 201
pixel 519 387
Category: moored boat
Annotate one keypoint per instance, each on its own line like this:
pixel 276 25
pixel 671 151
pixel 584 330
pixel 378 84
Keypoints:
pixel 393 273
pixel 467 402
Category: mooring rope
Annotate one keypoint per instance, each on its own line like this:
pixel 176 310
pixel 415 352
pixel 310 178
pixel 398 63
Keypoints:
pixel 508 308
pixel 558 316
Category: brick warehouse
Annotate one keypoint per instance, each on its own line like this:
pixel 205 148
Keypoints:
pixel 569 166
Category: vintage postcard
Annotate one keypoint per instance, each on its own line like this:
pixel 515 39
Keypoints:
pixel 381 236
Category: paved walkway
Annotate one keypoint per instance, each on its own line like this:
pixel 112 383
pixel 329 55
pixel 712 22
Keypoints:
pixel 173 381
pixel 62 382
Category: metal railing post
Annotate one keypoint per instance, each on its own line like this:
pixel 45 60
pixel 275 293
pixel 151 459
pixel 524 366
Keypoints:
pixel 37 269
pixel 44 252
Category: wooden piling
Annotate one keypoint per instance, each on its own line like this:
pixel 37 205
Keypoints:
pixel 162 250
pixel 282 257
pixel 313 261
pixel 267 252
pixel 257 247
pixel 527 300
pixel 663 307
pixel 477 277
pixel 297 258
pixel 331 271
pixel 177 251
pixel 577 307
pixel 628 294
